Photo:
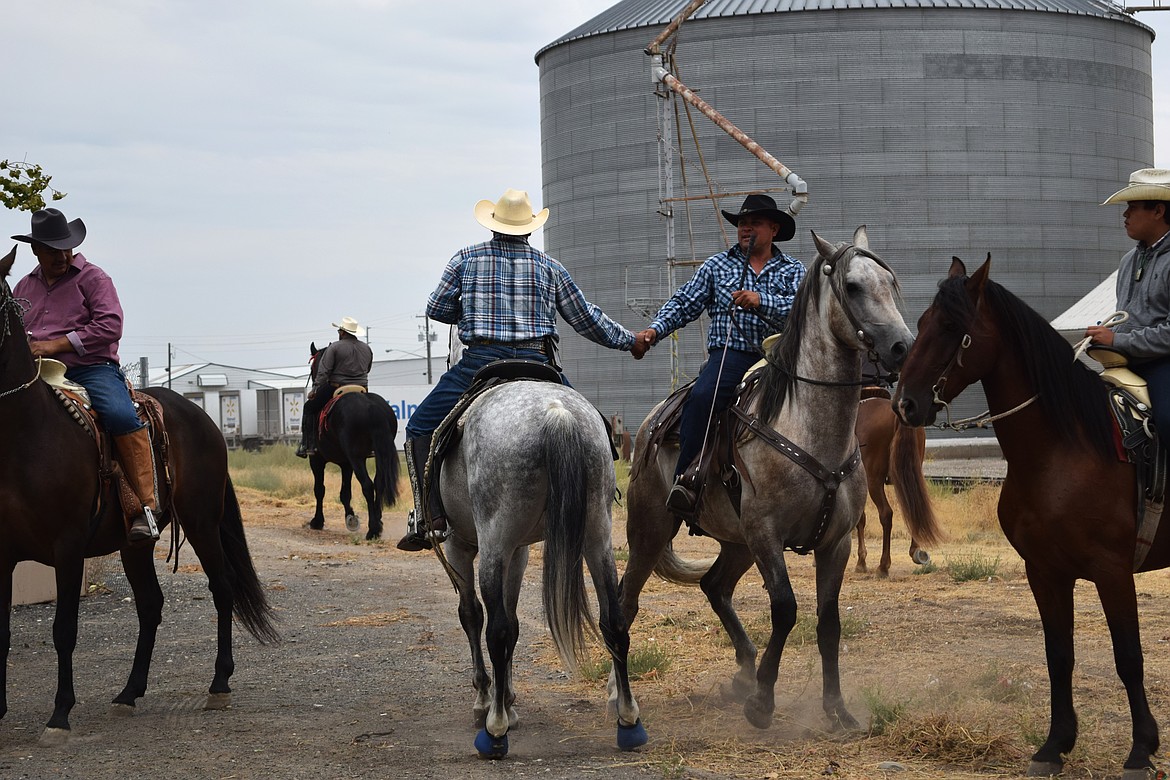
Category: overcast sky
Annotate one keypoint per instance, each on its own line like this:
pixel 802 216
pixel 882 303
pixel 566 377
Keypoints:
pixel 251 172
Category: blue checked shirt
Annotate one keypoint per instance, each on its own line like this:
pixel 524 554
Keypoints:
pixel 711 287
pixel 506 290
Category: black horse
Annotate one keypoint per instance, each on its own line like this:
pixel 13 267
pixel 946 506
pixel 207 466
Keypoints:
pixel 55 509
pixel 357 425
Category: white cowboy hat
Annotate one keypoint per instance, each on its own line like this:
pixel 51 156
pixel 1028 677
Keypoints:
pixel 511 214
pixel 350 325
pixel 1145 184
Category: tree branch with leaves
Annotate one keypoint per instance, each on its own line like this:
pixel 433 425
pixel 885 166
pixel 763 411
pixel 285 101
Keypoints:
pixel 23 186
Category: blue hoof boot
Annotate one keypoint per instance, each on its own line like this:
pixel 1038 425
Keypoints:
pixel 496 747
pixel 630 737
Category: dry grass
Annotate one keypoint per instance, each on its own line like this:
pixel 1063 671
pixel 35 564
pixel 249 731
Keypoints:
pixel 953 672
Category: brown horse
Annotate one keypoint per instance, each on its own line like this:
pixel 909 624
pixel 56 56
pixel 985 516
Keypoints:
pixel 891 453
pixel 55 510
pixel 1068 503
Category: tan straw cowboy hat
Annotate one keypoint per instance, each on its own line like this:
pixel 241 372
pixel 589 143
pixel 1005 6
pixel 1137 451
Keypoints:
pixel 511 214
pixel 1144 184
pixel 350 325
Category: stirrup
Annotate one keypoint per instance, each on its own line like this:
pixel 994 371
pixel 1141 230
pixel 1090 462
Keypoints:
pixel 417 539
pixel 681 499
pixel 143 532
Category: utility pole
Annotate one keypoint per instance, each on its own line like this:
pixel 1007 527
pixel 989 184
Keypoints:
pixel 169 372
pixel 428 337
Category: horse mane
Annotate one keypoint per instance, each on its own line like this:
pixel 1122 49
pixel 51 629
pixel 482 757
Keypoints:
pixel 1071 394
pixel 778 379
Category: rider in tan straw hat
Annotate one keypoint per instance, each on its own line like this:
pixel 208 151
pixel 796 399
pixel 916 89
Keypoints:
pixel 1143 289
pixel 346 361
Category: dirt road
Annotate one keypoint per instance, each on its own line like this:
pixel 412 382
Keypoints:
pixel 372 679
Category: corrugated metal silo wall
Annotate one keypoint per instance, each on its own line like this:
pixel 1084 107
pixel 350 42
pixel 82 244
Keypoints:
pixel 947 132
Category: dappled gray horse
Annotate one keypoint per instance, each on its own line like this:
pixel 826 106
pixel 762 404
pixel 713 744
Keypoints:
pixel 803 485
pixel 533 463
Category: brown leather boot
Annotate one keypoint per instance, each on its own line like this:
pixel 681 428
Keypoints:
pixel 137 459
pixel 422 533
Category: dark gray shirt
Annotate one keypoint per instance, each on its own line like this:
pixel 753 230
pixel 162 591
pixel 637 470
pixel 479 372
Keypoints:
pixel 345 362
pixel 1143 291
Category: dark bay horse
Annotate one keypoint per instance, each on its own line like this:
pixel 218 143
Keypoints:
pixel 805 412
pixel 1068 503
pixel 359 425
pixel 893 453
pixel 533 463
pixel 54 510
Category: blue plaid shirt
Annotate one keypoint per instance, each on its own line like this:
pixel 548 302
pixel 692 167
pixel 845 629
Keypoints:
pixel 711 288
pixel 505 290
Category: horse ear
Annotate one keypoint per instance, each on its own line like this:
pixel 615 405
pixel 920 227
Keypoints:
pixel 979 280
pixel 6 262
pixel 824 248
pixel 312 348
pixel 861 238
pixel 957 268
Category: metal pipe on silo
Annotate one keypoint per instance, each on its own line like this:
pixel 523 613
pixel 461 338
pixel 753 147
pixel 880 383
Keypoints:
pixel 799 187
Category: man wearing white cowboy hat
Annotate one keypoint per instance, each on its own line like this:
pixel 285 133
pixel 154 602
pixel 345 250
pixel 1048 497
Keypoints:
pixel 752 276
pixel 1143 289
pixel 75 316
pixel 504 295
pixel 346 361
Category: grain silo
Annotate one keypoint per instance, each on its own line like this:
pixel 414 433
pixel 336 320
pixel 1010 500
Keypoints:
pixel 949 127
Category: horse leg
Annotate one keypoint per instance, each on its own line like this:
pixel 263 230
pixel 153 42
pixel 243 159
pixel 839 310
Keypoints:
pixel 761 704
pixel 502 632
pixel 614 629
pixel 317 464
pixel 6 569
pixel 352 524
pixel 1119 600
pixel 886 518
pixel 69 574
pixel 830 566
pixel 862 553
pixel 206 542
pixel 512 585
pixel 1053 593
pixel 462 558
pixel 373 505
pixel 718 585
pixel 138 563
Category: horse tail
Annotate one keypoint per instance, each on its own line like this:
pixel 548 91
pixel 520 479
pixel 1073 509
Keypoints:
pixel 249 602
pixel 908 450
pixel 680 571
pixel 567 455
pixel 386 461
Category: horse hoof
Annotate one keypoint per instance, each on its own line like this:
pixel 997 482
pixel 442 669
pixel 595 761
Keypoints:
pixel 373 536
pixel 843 721
pixel 1044 769
pixel 51 737
pixel 491 747
pixel 313 525
pixel 1146 773
pixel 218 701
pixel 921 557
pixel 630 737
pixel 352 524
pixel 120 710
pixel 757 715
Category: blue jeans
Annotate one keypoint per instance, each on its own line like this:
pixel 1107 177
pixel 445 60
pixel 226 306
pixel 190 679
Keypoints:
pixel 709 386
pixel 1157 376
pixel 451 385
pixel 106 385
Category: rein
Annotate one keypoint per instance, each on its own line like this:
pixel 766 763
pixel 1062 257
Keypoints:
pixel 8 305
pixel 983 420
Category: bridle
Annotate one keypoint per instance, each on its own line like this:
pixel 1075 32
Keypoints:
pixel 837 285
pixel 8 306
pixel 983 420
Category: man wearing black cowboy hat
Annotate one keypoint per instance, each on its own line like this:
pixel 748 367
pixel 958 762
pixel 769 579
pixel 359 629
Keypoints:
pixel 752 275
pixel 74 316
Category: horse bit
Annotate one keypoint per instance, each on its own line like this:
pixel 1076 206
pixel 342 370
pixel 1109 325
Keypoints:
pixel 983 420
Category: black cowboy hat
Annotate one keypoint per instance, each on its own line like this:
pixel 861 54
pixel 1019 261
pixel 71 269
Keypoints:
pixel 758 203
pixel 50 228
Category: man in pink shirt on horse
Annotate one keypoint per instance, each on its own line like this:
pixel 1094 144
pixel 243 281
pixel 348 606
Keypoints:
pixel 74 316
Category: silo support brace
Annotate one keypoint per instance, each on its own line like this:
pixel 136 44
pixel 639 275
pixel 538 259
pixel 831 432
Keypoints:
pixel 798 185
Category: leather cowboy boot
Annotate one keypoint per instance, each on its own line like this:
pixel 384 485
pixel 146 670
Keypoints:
pixel 137 459
pixel 422 533
pixel 308 445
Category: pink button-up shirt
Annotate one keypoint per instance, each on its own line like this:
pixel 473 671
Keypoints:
pixel 82 305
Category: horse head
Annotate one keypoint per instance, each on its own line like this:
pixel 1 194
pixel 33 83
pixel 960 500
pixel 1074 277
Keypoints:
pixel 314 353
pixel 6 262
pixel 950 353
pixel 863 310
